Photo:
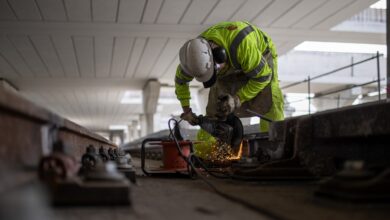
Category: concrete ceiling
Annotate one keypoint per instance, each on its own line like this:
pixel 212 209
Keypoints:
pixel 78 57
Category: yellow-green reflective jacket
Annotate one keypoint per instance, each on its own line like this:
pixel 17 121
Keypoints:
pixel 244 44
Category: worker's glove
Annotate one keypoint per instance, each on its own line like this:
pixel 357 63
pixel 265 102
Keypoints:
pixel 190 117
pixel 227 104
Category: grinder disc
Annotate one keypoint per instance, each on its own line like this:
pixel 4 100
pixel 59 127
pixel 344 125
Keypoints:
pixel 229 131
pixel 238 131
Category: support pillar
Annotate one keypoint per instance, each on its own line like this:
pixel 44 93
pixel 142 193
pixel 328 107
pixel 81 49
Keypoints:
pixel 130 133
pixel 149 123
pixel 133 130
pixel 151 93
pixel 136 131
pixel 144 125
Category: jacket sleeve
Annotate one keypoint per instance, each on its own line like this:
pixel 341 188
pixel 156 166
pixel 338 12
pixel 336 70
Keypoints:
pixel 255 67
pixel 182 88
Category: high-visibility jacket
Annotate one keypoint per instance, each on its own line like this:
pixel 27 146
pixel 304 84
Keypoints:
pixel 245 45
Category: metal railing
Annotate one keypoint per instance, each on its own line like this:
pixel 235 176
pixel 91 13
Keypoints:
pixel 309 80
pixel 370 15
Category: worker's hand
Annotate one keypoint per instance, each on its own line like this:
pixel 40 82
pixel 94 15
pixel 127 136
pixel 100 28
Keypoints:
pixel 189 116
pixel 227 104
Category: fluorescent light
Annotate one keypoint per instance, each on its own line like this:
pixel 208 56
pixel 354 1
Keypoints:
pixel 341 47
pixel 132 97
pixel 379 5
pixel 117 127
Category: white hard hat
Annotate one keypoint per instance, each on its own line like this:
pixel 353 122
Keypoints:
pixel 196 59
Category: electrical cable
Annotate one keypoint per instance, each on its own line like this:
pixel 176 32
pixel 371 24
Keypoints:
pixel 192 170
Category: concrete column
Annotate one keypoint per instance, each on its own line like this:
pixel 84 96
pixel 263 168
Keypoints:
pixel 135 132
pixel 203 96
pixel 143 125
pixel 149 123
pixel 129 133
pixel 151 93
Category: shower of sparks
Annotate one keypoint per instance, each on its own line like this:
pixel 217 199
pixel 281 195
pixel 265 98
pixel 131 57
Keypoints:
pixel 239 154
pixel 222 153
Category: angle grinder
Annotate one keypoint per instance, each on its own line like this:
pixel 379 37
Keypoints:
pixel 229 131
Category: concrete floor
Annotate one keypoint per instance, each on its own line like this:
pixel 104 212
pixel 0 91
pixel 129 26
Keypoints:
pixel 184 198
pixel 177 198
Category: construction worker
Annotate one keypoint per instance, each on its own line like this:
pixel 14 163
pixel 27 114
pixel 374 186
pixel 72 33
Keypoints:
pixel 238 62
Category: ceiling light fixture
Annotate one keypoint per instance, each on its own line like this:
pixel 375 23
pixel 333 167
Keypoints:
pixel 132 97
pixel 117 127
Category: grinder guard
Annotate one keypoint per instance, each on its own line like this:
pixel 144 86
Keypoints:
pixel 229 131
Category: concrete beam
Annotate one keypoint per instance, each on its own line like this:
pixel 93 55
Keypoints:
pixel 178 31
pixel 350 133
pixel 39 84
